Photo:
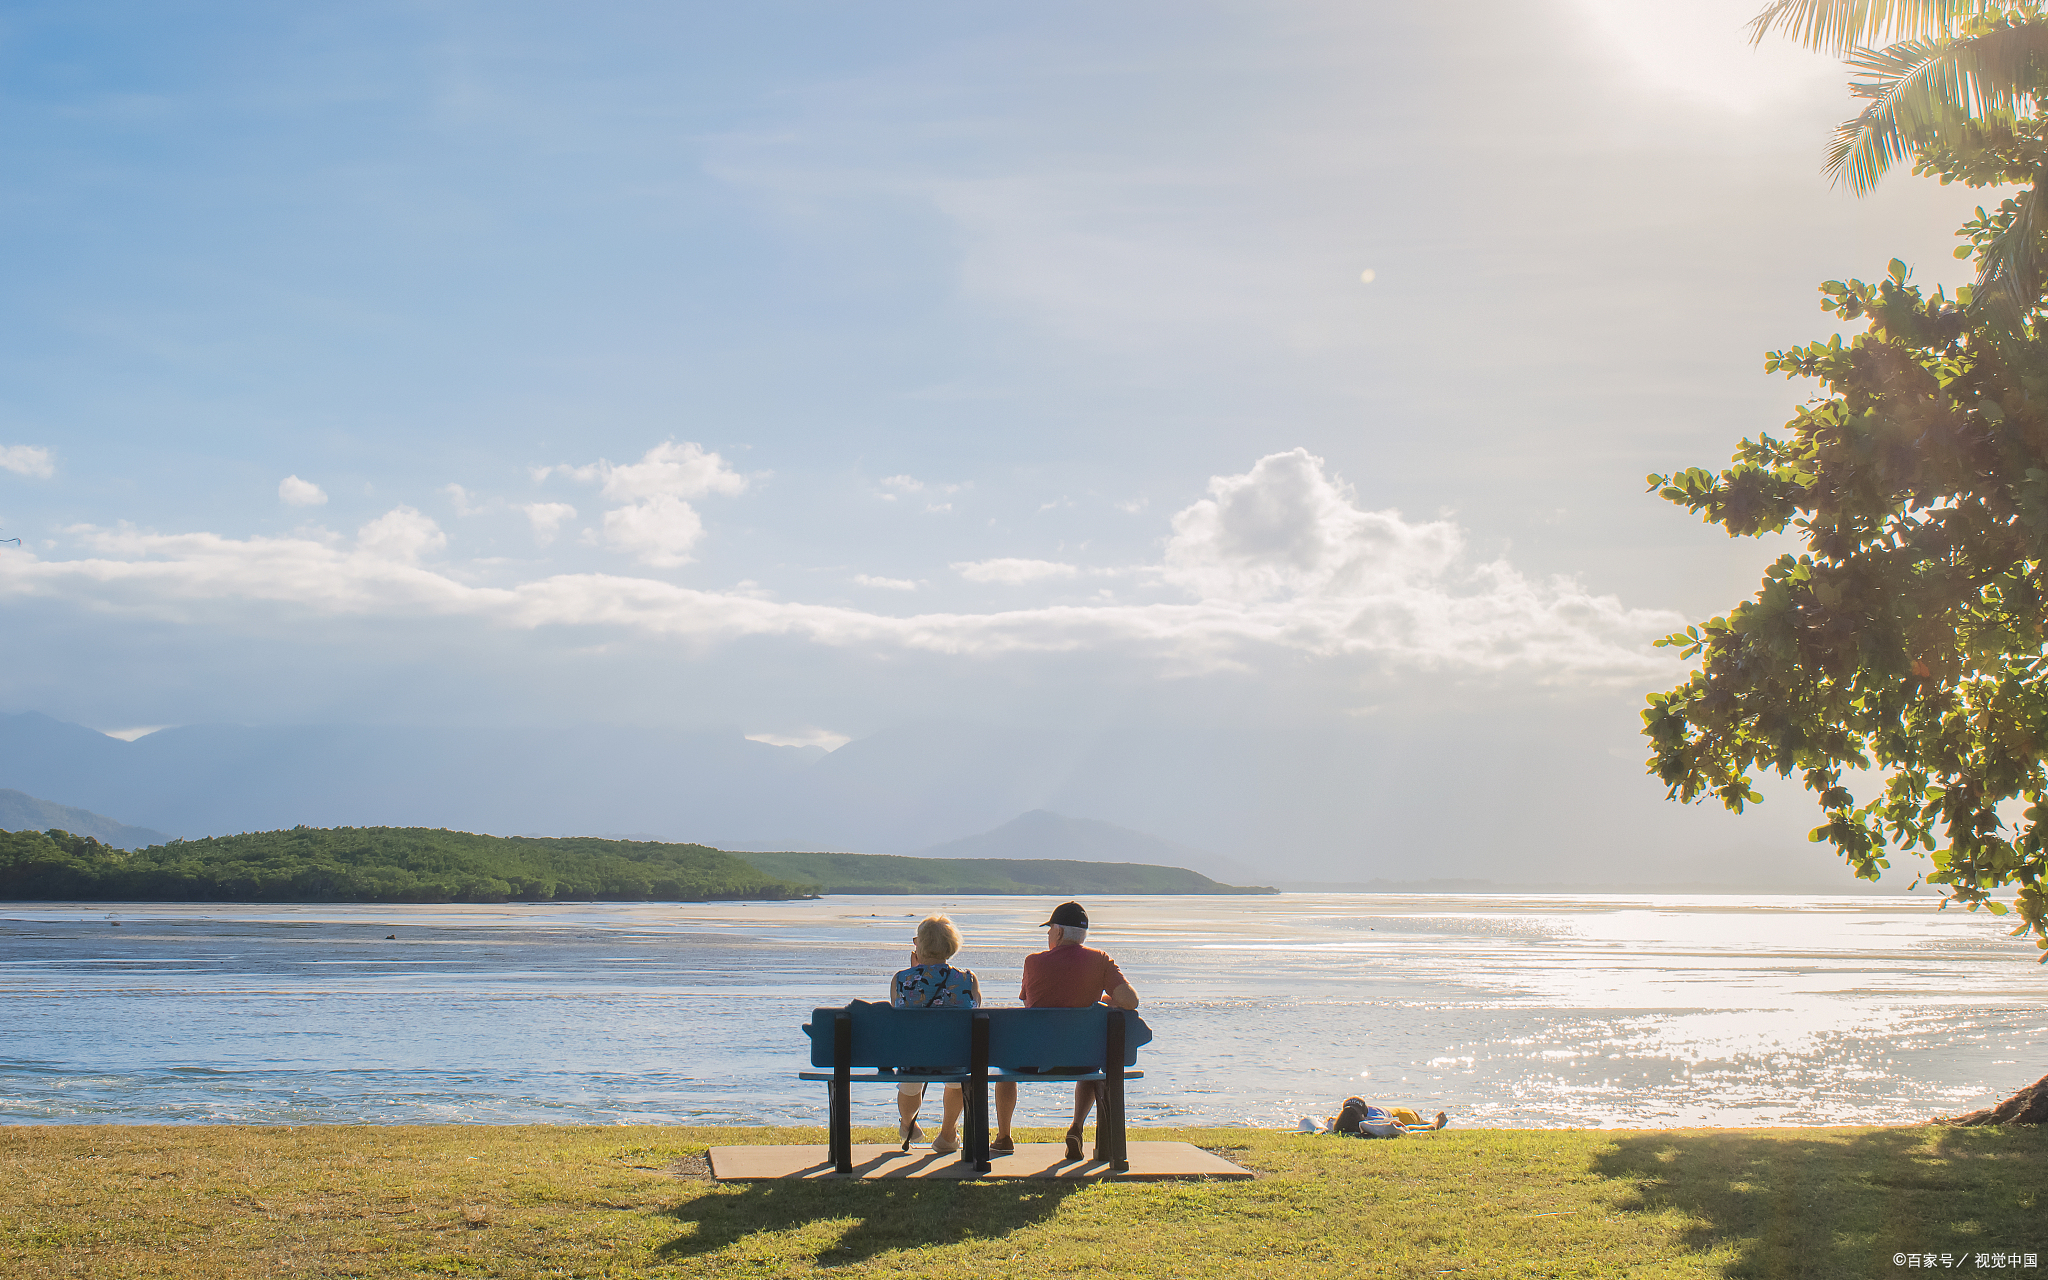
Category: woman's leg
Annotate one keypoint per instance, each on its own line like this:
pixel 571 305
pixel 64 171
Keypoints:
pixel 906 1107
pixel 956 1102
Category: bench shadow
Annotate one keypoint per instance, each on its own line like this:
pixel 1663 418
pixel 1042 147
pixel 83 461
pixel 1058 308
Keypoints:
pixel 891 1215
pixel 1817 1206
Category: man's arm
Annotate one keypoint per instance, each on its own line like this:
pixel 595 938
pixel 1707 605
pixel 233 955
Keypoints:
pixel 1124 997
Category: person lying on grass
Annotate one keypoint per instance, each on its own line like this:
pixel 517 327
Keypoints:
pixel 931 983
pixel 1066 975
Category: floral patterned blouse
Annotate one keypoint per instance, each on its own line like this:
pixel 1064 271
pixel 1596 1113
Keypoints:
pixel 932 986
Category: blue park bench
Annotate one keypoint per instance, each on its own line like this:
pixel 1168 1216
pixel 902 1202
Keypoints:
pixel 874 1043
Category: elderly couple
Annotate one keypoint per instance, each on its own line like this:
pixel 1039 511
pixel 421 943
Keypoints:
pixel 1066 975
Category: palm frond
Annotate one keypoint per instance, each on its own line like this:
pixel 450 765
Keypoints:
pixel 1839 26
pixel 2009 282
pixel 1920 90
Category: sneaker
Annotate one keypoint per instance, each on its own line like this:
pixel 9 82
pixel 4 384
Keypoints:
pixel 944 1146
pixel 908 1131
pixel 1001 1146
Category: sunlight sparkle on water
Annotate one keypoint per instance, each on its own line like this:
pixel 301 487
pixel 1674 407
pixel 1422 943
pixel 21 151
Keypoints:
pixel 1548 1010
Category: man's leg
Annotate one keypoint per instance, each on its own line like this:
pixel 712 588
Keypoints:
pixel 1084 1101
pixel 1006 1106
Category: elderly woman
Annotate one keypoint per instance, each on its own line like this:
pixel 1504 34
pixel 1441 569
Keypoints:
pixel 932 983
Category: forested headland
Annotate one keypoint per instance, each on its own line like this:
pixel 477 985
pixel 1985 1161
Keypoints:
pixel 377 864
pixel 422 864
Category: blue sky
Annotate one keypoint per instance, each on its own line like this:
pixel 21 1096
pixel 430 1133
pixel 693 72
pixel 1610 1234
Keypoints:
pixel 816 368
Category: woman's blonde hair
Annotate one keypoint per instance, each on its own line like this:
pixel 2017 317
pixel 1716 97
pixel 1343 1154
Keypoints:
pixel 937 939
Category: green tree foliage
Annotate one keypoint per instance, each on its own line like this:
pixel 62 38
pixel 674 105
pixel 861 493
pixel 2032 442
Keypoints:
pixel 1909 639
pixel 1906 653
pixel 376 864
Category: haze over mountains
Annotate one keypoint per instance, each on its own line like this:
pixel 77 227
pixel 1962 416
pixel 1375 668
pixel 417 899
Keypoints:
pixel 1224 806
pixel 22 812
pixel 1031 835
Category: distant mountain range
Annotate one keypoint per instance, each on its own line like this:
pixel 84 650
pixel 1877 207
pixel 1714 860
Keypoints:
pixel 20 811
pixel 1259 804
pixel 1042 833
pixel 888 873
pixel 914 789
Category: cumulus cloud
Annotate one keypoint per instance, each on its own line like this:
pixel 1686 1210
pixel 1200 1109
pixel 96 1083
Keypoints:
pixel 546 519
pixel 1013 572
pixel 655 521
pixel 402 535
pixel 1279 559
pixel 29 460
pixel 295 492
pixel 1286 529
pixel 465 502
pixel 659 531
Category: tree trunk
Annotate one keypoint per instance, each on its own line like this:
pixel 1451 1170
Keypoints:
pixel 2028 1106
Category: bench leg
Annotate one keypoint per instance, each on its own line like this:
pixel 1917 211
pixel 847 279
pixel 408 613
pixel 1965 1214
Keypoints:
pixel 839 1140
pixel 1109 1126
pixel 974 1136
pixel 840 1136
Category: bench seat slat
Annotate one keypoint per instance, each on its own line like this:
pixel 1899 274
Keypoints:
pixel 960 1077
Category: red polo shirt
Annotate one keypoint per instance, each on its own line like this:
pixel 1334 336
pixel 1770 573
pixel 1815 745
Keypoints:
pixel 1068 978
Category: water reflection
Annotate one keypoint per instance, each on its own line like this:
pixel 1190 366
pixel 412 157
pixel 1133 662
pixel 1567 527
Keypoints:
pixel 1516 1011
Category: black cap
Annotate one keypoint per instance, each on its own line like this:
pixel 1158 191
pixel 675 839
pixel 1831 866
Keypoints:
pixel 1069 914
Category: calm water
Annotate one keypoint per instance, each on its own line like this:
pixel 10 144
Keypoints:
pixel 1555 1010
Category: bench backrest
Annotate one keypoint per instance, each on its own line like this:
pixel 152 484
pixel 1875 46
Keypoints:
pixel 1044 1038
pixel 889 1037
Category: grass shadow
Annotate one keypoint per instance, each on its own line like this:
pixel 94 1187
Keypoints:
pixel 1828 1204
pixel 891 1215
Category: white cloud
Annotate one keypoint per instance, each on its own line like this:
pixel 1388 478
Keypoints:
pixel 401 534
pixel 465 501
pixel 1276 560
pixel 1012 572
pixel 31 460
pixel 1286 529
pixel 300 493
pixel 668 470
pixel 804 738
pixel 139 731
pixel 656 522
pixel 546 519
pixel 659 531
pixel 894 487
pixel 889 584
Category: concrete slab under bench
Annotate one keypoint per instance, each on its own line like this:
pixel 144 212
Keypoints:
pixel 1030 1160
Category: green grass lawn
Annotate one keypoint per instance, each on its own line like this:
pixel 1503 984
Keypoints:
pixel 120 1200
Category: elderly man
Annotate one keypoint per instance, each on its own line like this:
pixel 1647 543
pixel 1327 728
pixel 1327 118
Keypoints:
pixel 1066 975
